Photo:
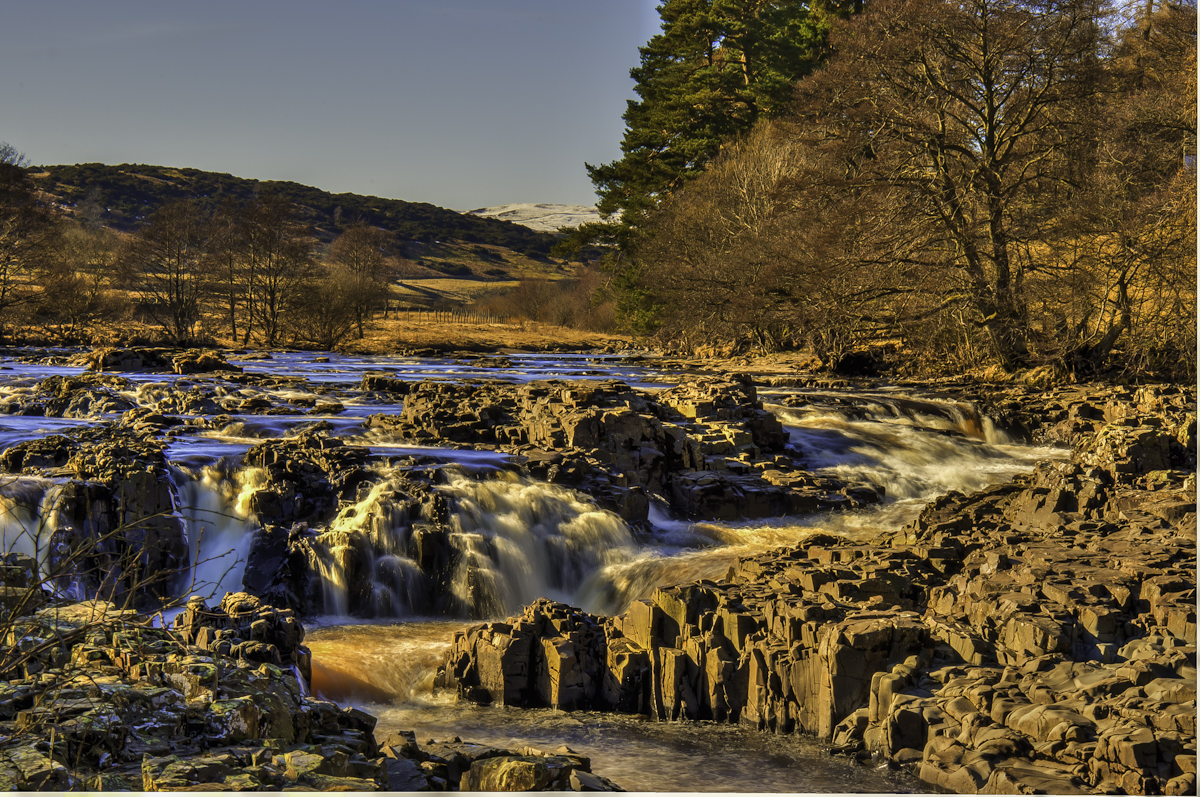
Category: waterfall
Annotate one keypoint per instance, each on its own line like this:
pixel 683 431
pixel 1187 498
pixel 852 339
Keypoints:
pixel 520 539
pixel 27 517
pixel 915 451
pixel 215 505
pixel 363 557
pixel 508 540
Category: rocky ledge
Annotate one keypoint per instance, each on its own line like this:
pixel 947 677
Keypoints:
pixel 1038 636
pixel 93 697
pixel 706 446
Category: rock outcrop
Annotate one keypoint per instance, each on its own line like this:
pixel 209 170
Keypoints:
pixel 1035 636
pixel 93 697
pixel 306 477
pixel 455 765
pixel 153 360
pixel 707 446
pixel 116 529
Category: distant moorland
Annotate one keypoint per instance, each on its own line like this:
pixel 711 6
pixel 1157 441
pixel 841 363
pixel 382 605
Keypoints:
pixel 123 196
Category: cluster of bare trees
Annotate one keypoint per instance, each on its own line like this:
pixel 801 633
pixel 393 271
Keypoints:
pixel 256 268
pixel 1005 181
pixel 248 272
pixel 580 302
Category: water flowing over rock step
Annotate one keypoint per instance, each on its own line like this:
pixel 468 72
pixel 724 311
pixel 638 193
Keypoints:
pixel 1035 636
pixel 707 445
pixel 1084 563
pixel 338 531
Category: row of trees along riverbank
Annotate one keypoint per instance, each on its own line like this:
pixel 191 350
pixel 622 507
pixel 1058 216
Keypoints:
pixel 247 270
pixel 1004 182
pixel 244 271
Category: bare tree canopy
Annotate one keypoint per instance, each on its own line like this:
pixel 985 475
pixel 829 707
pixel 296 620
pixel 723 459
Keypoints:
pixel 167 265
pixel 944 182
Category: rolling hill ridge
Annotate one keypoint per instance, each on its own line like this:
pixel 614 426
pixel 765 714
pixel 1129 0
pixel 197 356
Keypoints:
pixel 122 196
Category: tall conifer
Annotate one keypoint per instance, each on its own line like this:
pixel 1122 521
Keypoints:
pixel 713 71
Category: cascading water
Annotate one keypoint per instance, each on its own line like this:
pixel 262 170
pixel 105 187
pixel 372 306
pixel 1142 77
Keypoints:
pixel 913 455
pixel 214 502
pixel 27 517
pixel 513 540
pixel 522 540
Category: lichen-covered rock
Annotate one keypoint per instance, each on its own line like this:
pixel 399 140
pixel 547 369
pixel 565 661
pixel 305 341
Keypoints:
pixel 246 627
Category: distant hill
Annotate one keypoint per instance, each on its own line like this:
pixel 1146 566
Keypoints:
pixel 123 196
pixel 542 217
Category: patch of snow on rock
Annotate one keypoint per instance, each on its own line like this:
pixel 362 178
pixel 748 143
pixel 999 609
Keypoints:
pixel 541 217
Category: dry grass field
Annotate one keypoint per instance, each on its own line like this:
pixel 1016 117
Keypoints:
pixel 408 332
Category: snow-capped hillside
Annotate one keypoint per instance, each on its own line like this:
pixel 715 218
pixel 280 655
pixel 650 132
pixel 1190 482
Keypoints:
pixel 542 217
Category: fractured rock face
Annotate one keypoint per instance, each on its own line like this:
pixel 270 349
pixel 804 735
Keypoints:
pixel 707 445
pixel 307 475
pixel 153 360
pixel 1034 636
pixel 115 529
pixel 130 706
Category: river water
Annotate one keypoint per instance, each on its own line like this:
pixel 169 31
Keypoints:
pixel 548 542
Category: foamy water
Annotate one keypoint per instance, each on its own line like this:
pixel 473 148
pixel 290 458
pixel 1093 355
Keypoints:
pixel 520 539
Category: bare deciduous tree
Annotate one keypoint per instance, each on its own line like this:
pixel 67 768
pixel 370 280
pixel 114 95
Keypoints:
pixel 27 227
pixel 357 262
pixel 166 265
pixel 277 251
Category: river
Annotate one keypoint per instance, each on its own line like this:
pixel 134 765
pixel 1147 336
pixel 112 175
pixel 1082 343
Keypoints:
pixel 549 542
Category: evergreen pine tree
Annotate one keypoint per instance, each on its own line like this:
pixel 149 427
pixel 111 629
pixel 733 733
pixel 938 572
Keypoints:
pixel 714 70
pixel 717 67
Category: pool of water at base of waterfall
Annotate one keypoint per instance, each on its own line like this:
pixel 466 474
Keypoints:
pixel 386 670
pixel 641 755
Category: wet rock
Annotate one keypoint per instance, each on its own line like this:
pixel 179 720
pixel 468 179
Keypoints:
pixel 550 656
pixel 85 396
pixel 527 773
pixel 384 384
pixel 306 476
pixel 153 360
pixel 1037 636
pixel 706 446
pixel 116 530
pixel 200 362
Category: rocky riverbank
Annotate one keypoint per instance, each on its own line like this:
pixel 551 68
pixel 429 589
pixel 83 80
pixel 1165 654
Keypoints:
pixel 1036 636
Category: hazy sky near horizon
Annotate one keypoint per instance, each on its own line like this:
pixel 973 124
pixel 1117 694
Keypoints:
pixel 462 103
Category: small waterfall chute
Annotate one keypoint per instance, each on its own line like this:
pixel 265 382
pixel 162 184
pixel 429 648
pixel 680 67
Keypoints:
pixel 215 506
pixel 367 544
pixel 914 451
pixel 522 539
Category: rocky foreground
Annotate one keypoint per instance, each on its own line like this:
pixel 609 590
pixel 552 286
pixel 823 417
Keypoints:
pixel 1036 637
pixel 96 698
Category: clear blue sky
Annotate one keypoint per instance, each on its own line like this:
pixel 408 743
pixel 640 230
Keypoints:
pixel 462 103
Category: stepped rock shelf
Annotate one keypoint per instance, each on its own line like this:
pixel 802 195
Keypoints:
pixel 1036 635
